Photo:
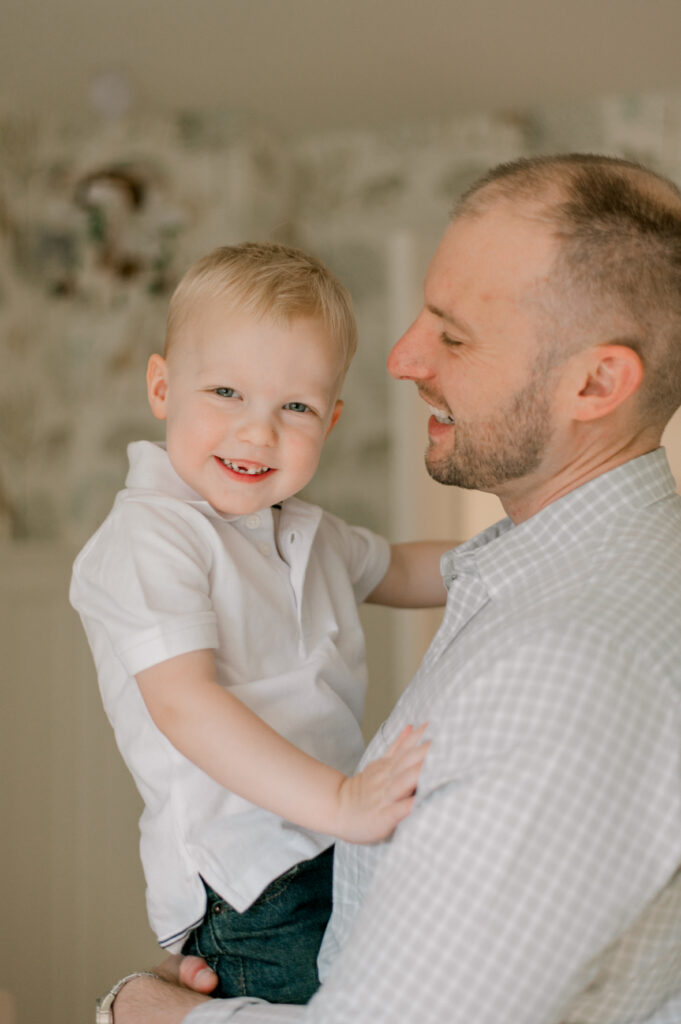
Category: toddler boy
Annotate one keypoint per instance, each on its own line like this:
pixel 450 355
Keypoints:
pixel 222 616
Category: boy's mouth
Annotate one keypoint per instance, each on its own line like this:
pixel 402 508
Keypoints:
pixel 244 468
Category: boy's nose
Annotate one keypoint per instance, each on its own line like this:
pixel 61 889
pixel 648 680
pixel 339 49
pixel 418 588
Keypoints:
pixel 257 430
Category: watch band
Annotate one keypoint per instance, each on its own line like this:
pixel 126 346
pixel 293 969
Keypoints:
pixel 104 1006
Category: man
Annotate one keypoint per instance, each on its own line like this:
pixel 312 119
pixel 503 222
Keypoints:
pixel 538 879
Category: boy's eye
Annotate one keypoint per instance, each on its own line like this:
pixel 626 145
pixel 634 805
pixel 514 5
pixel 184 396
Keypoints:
pixel 297 407
pixel 226 392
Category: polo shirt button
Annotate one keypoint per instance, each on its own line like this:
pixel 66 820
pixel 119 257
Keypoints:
pixel 265 549
pixel 253 522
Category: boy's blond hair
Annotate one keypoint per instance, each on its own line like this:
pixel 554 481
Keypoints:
pixel 267 280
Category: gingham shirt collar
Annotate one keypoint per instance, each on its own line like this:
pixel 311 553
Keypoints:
pixel 499 554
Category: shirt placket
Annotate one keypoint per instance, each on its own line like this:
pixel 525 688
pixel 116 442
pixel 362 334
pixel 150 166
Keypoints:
pixel 466 595
pixel 259 528
pixel 296 538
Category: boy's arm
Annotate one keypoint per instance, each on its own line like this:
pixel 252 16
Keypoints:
pixel 413 579
pixel 228 741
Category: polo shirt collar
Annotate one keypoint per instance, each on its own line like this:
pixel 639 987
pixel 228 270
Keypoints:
pixel 151 470
pixel 504 551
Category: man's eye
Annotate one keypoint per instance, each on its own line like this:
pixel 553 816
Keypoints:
pixel 226 392
pixel 297 407
pixel 447 339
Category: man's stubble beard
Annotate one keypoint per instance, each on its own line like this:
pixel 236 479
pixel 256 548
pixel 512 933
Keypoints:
pixel 505 448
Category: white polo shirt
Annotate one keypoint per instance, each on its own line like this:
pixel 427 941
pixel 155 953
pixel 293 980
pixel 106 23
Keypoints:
pixel 275 595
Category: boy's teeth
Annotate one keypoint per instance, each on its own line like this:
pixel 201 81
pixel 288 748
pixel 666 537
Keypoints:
pixel 246 470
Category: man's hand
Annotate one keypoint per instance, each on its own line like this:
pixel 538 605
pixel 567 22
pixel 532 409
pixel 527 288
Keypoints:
pixel 151 1001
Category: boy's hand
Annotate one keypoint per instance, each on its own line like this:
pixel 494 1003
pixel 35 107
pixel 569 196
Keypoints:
pixel 195 973
pixel 375 800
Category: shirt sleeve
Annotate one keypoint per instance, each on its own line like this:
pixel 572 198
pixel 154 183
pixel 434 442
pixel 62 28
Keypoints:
pixel 244 1011
pixel 366 554
pixel 145 578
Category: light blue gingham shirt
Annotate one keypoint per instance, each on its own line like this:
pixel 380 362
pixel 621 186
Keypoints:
pixel 538 879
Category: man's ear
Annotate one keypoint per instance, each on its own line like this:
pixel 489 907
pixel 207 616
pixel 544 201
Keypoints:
pixel 157 385
pixel 609 374
pixel 337 410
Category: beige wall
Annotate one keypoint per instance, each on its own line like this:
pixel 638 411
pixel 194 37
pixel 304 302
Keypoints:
pixel 73 915
pixel 318 64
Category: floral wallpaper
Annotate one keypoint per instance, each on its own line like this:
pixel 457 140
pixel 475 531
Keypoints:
pixel 98 221
pixel 96 226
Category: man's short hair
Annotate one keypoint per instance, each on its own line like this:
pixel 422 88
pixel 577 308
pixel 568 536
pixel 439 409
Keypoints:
pixel 618 265
pixel 267 280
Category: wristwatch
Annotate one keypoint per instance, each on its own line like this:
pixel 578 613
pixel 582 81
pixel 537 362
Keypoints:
pixel 104 1007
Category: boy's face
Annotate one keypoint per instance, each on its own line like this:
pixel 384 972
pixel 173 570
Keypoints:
pixel 248 404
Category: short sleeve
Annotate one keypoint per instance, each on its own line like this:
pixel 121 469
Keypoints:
pixel 366 554
pixel 144 578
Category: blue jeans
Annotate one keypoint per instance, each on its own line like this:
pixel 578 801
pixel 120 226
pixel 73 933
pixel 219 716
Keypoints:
pixel 271 949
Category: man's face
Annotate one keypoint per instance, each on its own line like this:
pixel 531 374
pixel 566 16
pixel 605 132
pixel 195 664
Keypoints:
pixel 474 352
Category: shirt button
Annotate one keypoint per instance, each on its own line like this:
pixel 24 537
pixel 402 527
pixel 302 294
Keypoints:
pixel 265 549
pixel 253 522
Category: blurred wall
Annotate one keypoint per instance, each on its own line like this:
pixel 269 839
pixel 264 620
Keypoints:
pixel 98 220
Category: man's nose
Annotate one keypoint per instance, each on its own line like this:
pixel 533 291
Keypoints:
pixel 411 356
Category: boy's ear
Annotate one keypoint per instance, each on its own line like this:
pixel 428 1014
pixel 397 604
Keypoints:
pixel 157 385
pixel 609 375
pixel 337 410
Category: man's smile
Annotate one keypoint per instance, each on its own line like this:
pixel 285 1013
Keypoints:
pixel 439 414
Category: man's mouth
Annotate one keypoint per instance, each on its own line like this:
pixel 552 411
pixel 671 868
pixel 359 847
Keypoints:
pixel 244 468
pixel 440 416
